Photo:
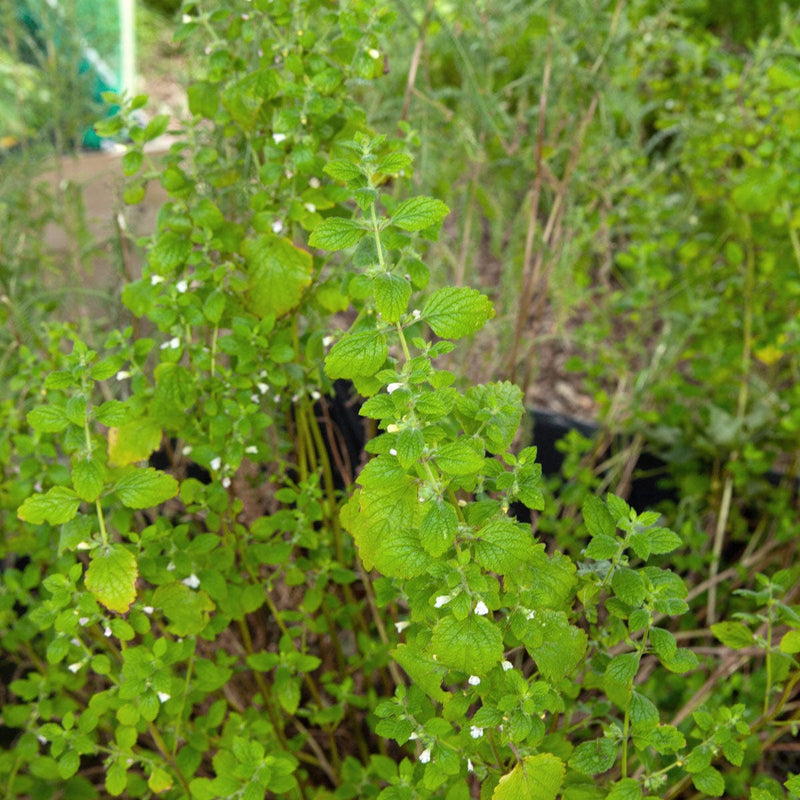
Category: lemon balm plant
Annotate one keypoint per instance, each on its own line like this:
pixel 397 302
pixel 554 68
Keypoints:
pixel 260 633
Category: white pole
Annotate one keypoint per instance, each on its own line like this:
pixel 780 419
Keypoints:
pixel 127 46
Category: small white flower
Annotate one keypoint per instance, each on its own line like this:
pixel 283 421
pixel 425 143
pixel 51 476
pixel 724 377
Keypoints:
pixel 83 546
pixel 315 395
pixel 481 609
pixel 277 226
pixel 83 621
pixel 226 482
pixel 393 387
pixel 277 398
pixel 163 697
pixel 425 756
pixel 76 642
pixel 262 387
pixel 442 600
pixel 148 609
pixel 156 279
pixel 310 207
pixel 313 183
pixel 192 581
pixel 254 398
pixel 123 375
pixel 470 767
pixel 107 632
pixel 669 104
pixel 530 615
pixel 288 174
pixel 41 738
pixel 416 313
pixel 402 625
pixel 215 463
pixel 506 665
pixel 373 53
pixel 174 342
pixel 171 566
pixel 187 449
pixel 182 286
pixel 392 451
pixel 251 450
pixel 473 680
pixel 392 428
pixel 413 735
pixel 186 19
pixel 278 137
pixel 475 732
pixel 327 341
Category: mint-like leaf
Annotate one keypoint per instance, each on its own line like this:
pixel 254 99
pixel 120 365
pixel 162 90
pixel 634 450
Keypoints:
pixel 88 478
pixel 536 777
pixel 594 757
pixel 419 213
pixel 357 355
pixel 336 233
pixel 56 506
pixel 392 294
pixel 48 419
pixel 454 312
pixel 502 546
pixel 111 577
pixel 143 488
pixel 472 645
pixel 735 635
pixel 278 274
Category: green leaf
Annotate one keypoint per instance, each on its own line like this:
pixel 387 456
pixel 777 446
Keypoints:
pixel 336 233
pixel 790 642
pixel 48 419
pixel 88 478
pixel 735 635
pixel 186 609
pixel 156 127
pixel 145 487
pixel 170 252
pixel 599 521
pixel 663 540
pixel 438 528
pixel 357 355
pixel 793 784
pixel 601 548
pixel 629 586
pixel 454 312
pixel 392 294
pixel 117 777
pixel 626 789
pixel 502 546
pixel 709 781
pixel 278 274
pixel 556 646
pixel 58 505
pixel 472 645
pixel 458 458
pixel 643 712
pixel 536 777
pixel 594 757
pixel 410 444
pixel 203 99
pixel 418 213
pixel 619 675
pixel 423 670
pixel 111 577
pixel 112 413
pixel 342 170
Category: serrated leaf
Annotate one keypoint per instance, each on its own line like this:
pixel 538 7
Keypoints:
pixel 643 712
pixel 618 678
pixel 410 444
pixel 735 635
pixel 56 506
pixel 111 577
pixel 145 487
pixel 472 645
pixel 170 252
pixel 601 548
pixel 422 669
pixel 278 274
pixel 336 233
pixel 683 660
pixel 793 784
pixel 454 312
pixel 733 751
pixel 112 413
pixel 626 789
pixel 458 458
pixel 438 528
pixel 357 355
pixel 418 213
pixel 501 546
pixel 709 781
pixel 48 419
pixel 790 642
pixel 132 442
pixel 558 647
pixel 186 609
pixel 594 757
pixel 392 294
pixel 536 777
pixel 342 170
pixel 88 478
pixel 597 518
pixel 629 586
pixel 663 540
pixel 393 163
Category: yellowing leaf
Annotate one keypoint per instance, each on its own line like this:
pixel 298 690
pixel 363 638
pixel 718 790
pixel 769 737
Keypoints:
pixel 132 442
pixel 56 506
pixel 111 577
pixel 279 273
pixel 534 778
